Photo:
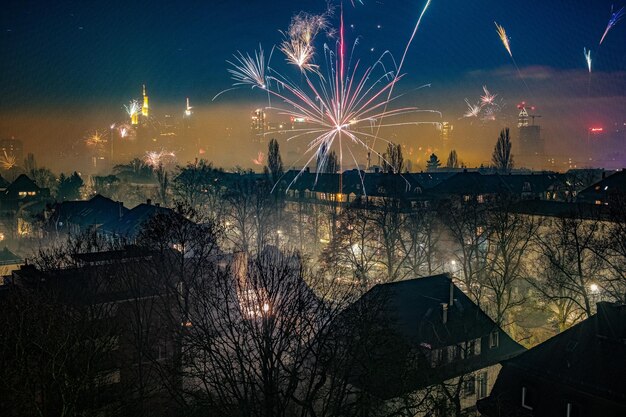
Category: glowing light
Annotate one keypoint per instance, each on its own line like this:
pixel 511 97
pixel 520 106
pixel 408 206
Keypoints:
pixel 613 20
pixel 504 38
pixel 594 288
pixel 596 129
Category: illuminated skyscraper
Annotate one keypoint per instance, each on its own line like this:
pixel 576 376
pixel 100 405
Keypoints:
pixel 145 109
pixel 257 124
pixel 445 133
pixel 531 148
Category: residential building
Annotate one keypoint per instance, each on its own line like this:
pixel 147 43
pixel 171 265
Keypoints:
pixel 579 372
pixel 425 336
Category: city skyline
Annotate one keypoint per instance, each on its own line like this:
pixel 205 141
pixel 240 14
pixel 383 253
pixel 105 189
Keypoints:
pixel 74 73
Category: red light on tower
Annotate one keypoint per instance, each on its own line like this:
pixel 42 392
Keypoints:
pixel 596 129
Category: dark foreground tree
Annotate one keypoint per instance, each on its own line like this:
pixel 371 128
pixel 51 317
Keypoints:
pixel 502 157
pixel 453 160
pixel 274 161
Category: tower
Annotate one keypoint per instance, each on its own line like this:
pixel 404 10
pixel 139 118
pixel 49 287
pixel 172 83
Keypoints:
pixel 531 146
pixel 188 109
pixel 145 108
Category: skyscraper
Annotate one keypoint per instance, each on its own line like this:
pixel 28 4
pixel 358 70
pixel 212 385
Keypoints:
pixel 531 148
pixel 145 109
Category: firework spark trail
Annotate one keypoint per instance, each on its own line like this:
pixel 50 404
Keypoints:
pixel 504 38
pixel 507 45
pixel 613 20
pixel 588 58
pixel 247 70
pixel 406 50
pixel 473 110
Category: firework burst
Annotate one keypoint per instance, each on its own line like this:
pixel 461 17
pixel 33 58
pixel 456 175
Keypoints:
pixel 155 159
pixel 504 38
pixel 95 139
pixel 336 104
pixel 487 98
pixel 298 44
pixel 133 109
pixel 259 160
pixel 8 161
pixel 613 20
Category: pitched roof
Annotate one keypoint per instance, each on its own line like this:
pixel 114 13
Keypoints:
pixel 612 185
pixel 130 224
pixel 559 209
pixel 471 183
pixel 8 258
pixel 353 182
pixel 588 357
pixel 96 211
pixel 22 183
pixel 3 183
pixel 411 316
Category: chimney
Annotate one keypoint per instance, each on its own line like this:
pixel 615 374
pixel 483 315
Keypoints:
pixel 611 321
pixel 149 201
pixel 603 174
pixel 376 170
pixel 444 312
pixel 451 298
pixel 307 170
pixel 157 204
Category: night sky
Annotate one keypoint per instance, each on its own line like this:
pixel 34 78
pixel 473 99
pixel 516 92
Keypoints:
pixel 92 57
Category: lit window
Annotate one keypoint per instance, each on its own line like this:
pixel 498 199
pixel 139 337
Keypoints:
pixel 494 340
pixel 480 199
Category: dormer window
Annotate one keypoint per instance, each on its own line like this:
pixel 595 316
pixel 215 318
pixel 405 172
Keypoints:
pixel 494 340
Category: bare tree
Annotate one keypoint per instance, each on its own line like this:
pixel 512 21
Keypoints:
pixel 393 162
pixel 420 243
pixel 509 238
pixel 568 257
pixel 259 341
pixel 353 250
